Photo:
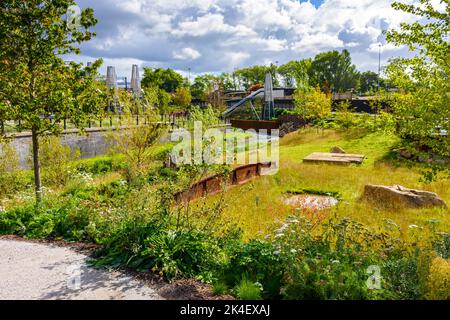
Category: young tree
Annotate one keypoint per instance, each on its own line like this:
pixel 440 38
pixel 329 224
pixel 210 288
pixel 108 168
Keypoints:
pixel 182 97
pixel 37 87
pixel 423 101
pixel 312 104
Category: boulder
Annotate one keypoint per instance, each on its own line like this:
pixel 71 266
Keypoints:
pixel 337 150
pixel 398 195
pixel 404 153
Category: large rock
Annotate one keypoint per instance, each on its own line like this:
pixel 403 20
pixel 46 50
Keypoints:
pixel 398 195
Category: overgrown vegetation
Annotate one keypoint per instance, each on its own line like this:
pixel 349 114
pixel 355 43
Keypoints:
pixel 301 257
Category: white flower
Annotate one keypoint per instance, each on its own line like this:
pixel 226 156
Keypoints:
pixel 413 226
pixel 293 251
pixel 335 262
pixel 277 253
pixel 281 230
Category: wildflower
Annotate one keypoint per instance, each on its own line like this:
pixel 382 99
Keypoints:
pixel 277 253
pixel 413 226
pixel 293 251
pixel 281 230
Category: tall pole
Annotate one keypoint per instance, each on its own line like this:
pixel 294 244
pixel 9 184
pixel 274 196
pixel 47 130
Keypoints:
pixel 379 66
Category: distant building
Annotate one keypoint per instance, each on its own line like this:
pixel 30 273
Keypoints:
pixel 113 81
pixel 135 80
pixel 111 77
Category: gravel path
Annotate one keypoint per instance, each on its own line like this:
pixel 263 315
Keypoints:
pixel 42 272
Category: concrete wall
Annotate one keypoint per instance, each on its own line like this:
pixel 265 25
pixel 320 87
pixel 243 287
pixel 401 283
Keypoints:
pixel 91 145
pixel 94 143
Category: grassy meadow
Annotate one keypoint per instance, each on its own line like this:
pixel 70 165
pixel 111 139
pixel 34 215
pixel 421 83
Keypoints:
pixel 256 206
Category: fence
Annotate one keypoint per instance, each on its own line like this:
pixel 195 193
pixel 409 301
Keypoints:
pixel 175 120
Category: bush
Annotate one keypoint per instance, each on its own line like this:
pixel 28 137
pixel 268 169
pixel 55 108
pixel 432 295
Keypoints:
pixel 16 221
pixel 96 165
pixel 439 280
pixel 312 104
pixel 403 278
pixel 11 178
pixel 247 290
pixel 135 145
pixel 257 261
pixel 219 288
pixel 56 160
pixel 67 222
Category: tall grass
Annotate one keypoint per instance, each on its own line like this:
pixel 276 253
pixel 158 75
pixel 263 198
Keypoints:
pixel 255 206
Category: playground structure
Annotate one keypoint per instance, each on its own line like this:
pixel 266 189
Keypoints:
pixel 267 93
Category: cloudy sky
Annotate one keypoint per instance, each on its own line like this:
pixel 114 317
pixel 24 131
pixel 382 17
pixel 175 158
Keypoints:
pixel 221 35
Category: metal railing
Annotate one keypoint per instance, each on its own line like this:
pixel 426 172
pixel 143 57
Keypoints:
pixel 173 120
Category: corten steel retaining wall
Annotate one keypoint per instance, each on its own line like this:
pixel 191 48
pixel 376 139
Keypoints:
pixel 216 183
pixel 255 124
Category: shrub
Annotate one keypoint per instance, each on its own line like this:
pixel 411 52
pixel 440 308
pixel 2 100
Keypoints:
pixel 9 160
pixel 403 278
pixel 135 144
pixel 439 280
pixel 96 166
pixel 182 97
pixel 68 222
pixel 16 221
pixel 258 261
pixel 57 161
pixel 219 288
pixel 312 104
pixel 247 290
pixel 11 178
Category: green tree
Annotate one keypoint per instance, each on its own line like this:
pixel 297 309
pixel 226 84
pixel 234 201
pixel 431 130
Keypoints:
pixel 423 101
pixel 165 79
pixel 182 97
pixel 202 86
pixel 37 87
pixel 296 73
pixel 256 75
pixel 336 69
pixel 368 82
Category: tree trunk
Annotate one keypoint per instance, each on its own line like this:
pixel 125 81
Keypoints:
pixel 36 166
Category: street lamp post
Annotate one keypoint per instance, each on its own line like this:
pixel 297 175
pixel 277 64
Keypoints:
pixel 379 66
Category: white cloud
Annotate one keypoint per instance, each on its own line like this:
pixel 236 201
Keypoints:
pixel 318 42
pixel 220 35
pixel 210 23
pixel 389 47
pixel 187 54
